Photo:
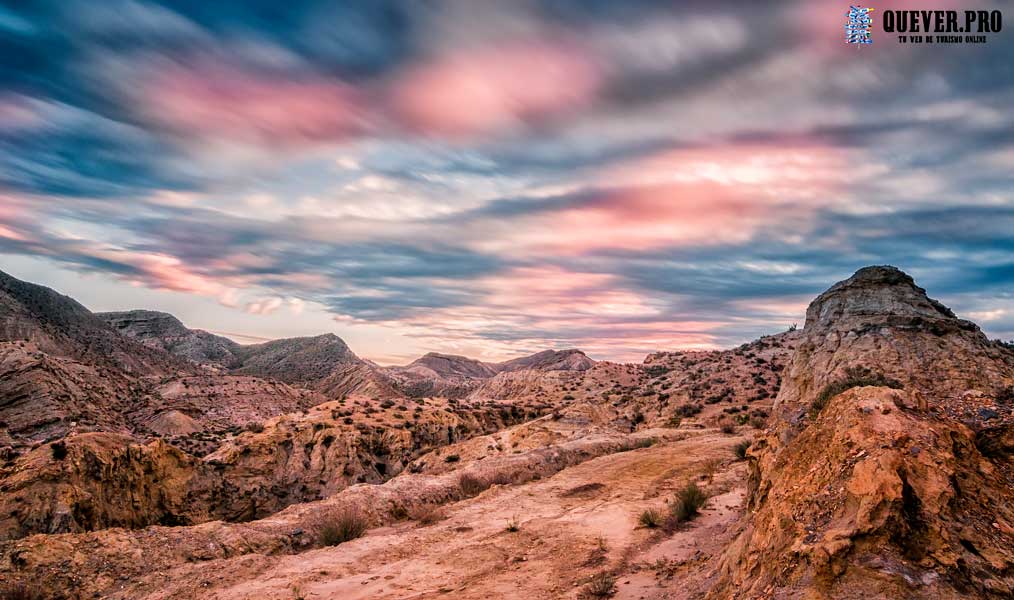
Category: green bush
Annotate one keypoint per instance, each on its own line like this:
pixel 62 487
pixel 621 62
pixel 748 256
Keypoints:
pixel 854 377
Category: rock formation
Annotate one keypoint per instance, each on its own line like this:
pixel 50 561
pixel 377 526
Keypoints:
pixel 164 331
pixel 887 470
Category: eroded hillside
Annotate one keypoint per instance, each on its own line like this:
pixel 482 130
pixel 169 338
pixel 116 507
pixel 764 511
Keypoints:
pixel 866 455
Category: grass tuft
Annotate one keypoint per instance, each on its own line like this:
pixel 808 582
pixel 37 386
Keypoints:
pixel 651 518
pixel 341 525
pixel 471 485
pixel 602 585
pixel 741 448
pixel 685 505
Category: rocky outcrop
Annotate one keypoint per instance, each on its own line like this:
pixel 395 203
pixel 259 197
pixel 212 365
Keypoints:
pixel 885 473
pixel 305 457
pixel 221 402
pixel 97 480
pixel 166 332
pixel 44 397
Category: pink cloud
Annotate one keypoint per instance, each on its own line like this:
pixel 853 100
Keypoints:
pixel 208 99
pixel 472 92
pixel 702 196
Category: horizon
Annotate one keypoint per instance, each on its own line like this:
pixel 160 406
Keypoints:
pixel 492 180
pixel 237 338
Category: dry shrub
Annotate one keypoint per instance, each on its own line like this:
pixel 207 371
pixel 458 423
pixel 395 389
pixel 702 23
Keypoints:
pixel 651 518
pixel 711 467
pixel 602 585
pixel 471 485
pixel 740 449
pixel 685 506
pixel 427 514
pixel 505 478
pixel 337 526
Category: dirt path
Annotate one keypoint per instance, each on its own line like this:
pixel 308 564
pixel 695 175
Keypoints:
pixel 578 523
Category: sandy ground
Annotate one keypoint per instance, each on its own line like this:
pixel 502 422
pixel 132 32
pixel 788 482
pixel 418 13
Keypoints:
pixel 572 526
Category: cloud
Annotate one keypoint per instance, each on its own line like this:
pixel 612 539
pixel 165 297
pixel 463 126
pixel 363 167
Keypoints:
pixel 501 177
pixel 475 91
pixel 219 100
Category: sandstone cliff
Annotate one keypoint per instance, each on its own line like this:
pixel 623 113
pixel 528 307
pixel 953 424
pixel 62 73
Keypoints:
pixel 887 471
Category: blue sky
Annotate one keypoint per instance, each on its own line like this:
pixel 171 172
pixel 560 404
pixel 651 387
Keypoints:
pixel 494 178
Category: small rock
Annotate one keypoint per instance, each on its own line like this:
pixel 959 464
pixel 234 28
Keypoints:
pixel 987 414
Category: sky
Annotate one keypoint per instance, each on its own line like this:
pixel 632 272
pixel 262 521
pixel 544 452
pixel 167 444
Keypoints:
pixel 497 178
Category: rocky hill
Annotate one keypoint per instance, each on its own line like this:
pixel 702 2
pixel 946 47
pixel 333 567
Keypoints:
pixel 548 360
pixel 60 326
pixel 327 365
pixel 323 363
pixel 887 471
pixel 166 332
pixel 458 376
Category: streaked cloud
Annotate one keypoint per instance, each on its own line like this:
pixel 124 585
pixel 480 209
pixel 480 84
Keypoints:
pixel 494 178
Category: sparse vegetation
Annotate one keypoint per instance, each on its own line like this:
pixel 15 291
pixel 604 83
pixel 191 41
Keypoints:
pixel 854 377
pixel 342 525
pixel 471 485
pixel 602 585
pixel 513 525
pixel 651 518
pixel 685 505
pixel 452 458
pixel 255 427
pixel 740 449
pixel 427 514
pixel 727 427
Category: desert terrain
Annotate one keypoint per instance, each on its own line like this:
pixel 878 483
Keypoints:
pixel 867 454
